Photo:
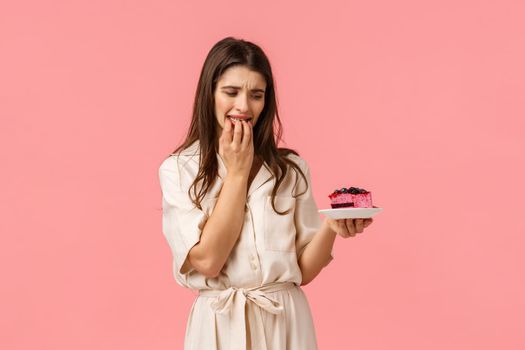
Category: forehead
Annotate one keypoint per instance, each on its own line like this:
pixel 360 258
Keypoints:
pixel 242 77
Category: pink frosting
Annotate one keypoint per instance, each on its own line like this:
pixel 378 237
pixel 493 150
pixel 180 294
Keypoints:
pixel 362 200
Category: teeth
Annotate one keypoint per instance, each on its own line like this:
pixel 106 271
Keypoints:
pixel 238 119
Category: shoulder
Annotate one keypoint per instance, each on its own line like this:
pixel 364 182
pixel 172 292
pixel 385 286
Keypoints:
pixel 181 163
pixel 302 181
pixel 169 174
pixel 190 153
pixel 168 165
pixel 300 161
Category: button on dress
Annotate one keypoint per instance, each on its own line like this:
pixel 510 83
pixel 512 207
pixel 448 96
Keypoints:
pixel 256 301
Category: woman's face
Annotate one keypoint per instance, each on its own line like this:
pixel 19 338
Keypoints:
pixel 239 92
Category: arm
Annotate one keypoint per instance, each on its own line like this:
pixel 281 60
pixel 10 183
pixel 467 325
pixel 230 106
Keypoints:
pixel 317 253
pixel 222 229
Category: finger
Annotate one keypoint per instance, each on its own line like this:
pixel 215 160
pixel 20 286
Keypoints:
pixel 350 226
pixel 368 222
pixel 227 126
pixel 237 133
pixel 343 231
pixel 358 225
pixel 227 130
pixel 247 136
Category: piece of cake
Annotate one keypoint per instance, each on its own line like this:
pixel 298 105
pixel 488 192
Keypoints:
pixel 352 197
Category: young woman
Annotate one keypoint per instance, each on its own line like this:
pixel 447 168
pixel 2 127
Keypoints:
pixel 239 215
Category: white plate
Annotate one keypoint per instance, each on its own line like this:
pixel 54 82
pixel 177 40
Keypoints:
pixel 350 213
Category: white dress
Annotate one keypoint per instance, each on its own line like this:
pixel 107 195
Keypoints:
pixel 256 302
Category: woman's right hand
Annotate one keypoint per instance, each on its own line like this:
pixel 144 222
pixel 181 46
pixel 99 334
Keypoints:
pixel 236 147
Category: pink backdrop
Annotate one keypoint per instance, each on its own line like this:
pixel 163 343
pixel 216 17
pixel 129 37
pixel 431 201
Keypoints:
pixel 420 102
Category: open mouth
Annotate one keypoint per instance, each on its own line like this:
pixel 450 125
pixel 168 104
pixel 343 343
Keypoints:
pixel 235 119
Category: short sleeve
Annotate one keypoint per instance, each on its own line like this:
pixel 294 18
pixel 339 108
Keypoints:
pixel 307 219
pixel 182 222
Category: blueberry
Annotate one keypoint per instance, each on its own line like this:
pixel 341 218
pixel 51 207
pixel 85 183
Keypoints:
pixel 344 190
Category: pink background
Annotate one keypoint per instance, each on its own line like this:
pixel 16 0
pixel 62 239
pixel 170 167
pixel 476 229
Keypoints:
pixel 421 102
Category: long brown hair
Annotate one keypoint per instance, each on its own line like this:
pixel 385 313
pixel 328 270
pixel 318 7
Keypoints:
pixel 224 54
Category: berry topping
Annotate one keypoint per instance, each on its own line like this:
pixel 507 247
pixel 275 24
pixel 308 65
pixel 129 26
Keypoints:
pixel 352 190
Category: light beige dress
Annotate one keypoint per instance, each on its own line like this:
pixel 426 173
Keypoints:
pixel 256 302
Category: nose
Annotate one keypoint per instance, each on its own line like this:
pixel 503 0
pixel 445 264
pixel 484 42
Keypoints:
pixel 241 103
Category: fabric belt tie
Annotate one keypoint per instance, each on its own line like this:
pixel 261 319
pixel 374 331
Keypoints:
pixel 235 300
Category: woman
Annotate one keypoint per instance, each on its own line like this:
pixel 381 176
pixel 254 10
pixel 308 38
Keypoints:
pixel 239 215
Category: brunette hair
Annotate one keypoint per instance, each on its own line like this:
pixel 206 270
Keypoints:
pixel 224 54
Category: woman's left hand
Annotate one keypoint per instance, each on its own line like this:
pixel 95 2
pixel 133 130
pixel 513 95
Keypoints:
pixel 348 227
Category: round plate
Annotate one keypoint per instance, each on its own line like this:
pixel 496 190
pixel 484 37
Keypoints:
pixel 350 213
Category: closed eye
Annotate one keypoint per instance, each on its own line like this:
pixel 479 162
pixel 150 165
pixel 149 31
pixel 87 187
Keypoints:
pixel 257 97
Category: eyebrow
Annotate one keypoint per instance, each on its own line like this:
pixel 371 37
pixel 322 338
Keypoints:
pixel 238 87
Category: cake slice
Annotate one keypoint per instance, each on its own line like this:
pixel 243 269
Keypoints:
pixel 353 197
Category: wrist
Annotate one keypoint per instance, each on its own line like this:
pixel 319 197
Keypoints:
pixel 327 227
pixel 237 178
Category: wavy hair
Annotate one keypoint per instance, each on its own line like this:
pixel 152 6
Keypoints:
pixel 267 132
